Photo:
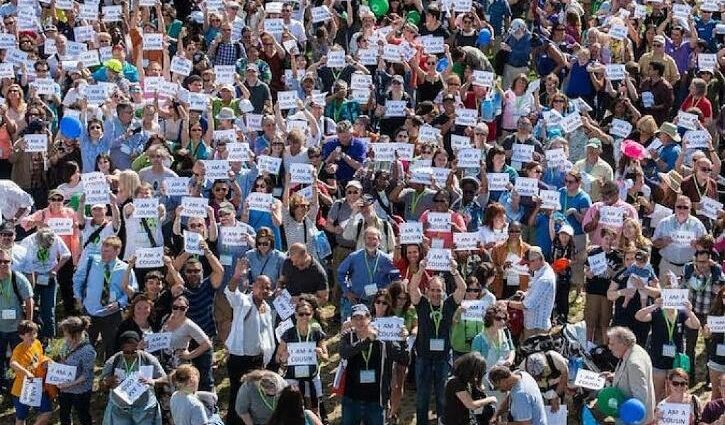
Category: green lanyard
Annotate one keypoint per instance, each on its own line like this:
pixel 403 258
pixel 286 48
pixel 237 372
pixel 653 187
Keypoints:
pixel 366 356
pixel 415 201
pixel 371 272
pixel 437 317
pixel 43 255
pixel 271 405
pixel 107 274
pixel 5 283
pixel 337 110
pixel 670 326
pixel 128 369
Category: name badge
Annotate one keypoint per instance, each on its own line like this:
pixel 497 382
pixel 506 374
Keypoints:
pixel 11 315
pixel 126 149
pixel 302 371
pixel 720 351
pixel 226 260
pixel 371 290
pixel 367 376
pixel 512 279
pixel 668 350
pixel 42 279
pixel 437 344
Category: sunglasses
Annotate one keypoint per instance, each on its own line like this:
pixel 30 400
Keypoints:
pixel 265 243
pixel 473 289
pixel 352 192
pixel 55 199
pixel 303 314
pixel 682 207
pixel 193 271
pixel 5 262
pixel 179 308
pixel 706 170
pixel 221 189
pixel 441 201
pixel 678 383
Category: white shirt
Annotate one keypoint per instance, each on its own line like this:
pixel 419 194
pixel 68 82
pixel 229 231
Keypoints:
pixel 252 332
pixel 539 301
pixel 13 198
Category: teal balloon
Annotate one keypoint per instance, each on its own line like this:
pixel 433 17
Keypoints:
pixel 632 412
pixel 413 17
pixel 70 127
pixel 442 64
pixel 609 399
pixel 379 7
pixel 484 37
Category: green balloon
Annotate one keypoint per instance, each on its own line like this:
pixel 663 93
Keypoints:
pixel 608 401
pixel 413 17
pixel 379 7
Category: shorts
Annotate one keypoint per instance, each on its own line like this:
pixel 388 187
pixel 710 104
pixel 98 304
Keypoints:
pixel 22 411
pixel 316 381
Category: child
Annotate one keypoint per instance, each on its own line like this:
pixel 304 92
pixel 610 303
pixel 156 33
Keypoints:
pixel 28 362
pixel 562 255
pixel 640 271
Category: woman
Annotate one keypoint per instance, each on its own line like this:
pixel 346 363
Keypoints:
pixel 443 231
pixel 264 258
pixel 441 160
pixel 306 329
pixel 632 235
pixel 104 165
pixel 430 81
pixel 581 78
pixel 142 232
pixel 697 98
pixel 182 330
pixel 505 256
pixel 290 410
pixel 494 341
pixel 7 133
pixel 186 408
pixel 464 392
pixel 716 361
pixel 93 143
pixel 271 219
pixel 258 396
pixel 79 352
pixel 298 218
pixel 16 107
pixel 667 338
pixel 127 363
pixel 597 309
pixel 517 103
pixel 137 318
pixel 496 163
pixel 495 225
pixel 71 184
pixel 194 139
pixel 466 325
pixel 677 383
pixel 401 306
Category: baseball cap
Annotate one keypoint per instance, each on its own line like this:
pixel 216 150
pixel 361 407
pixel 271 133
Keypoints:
pixel 533 251
pixel 594 143
pixel 368 199
pixel 114 65
pixel 659 39
pixel 360 310
pixel 354 183
pixel 567 229
pixel 129 336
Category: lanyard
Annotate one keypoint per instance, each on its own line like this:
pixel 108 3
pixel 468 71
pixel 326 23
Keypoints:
pixel 264 266
pixel 5 283
pixel 128 369
pixel 337 110
pixel 371 273
pixel 307 337
pixel 670 325
pixel 271 405
pixel 414 202
pixel 366 356
pixel 43 255
pixel 436 316
pixel 704 191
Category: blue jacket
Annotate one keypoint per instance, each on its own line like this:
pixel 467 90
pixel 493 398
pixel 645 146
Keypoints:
pixel 359 270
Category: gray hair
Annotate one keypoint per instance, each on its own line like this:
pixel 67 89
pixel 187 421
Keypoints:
pixel 624 335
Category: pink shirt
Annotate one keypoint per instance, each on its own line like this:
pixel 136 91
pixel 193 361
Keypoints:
pixel 595 237
pixel 458 224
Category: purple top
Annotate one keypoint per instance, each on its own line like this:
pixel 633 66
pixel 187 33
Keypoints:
pixel 681 53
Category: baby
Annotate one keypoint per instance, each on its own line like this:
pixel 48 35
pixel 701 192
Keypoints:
pixel 643 270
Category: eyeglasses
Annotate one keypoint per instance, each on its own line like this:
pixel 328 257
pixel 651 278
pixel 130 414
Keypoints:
pixel 537 171
pixel 193 271
pixel 303 314
pixel 706 170
pixel 179 308
pixel 7 235
pixel 5 262
pixel 682 207
pixel 441 201
pixel 678 383
pixel 221 189
pixel 657 44
pixel 263 243
pixel 55 199
pixel 473 289
pixel 381 302
pixel 302 206
pixel 558 101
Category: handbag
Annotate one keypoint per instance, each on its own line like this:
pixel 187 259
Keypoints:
pixel 682 361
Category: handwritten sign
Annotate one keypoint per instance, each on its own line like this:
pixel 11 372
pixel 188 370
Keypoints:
pixel 707 61
pixel 146 207
pixel 61 226
pixel 611 216
pixel 176 186
pixel 571 122
pixel 58 373
pixel 483 78
pixel 216 169
pixel 181 66
pixel 618 32
pixel 233 235
pixel 459 142
pixel 674 298
pixel 157 341
pixel 555 157
pixel 522 153
pixel 682 238
pixel 269 164
pixel 466 117
pixel 112 13
pixel 411 233
pixel 36 142
pixel 474 310
pixel 710 208
pixel 433 45
pixel 465 241
pixel 301 354
pixel 716 324
pixel 439 259
pixel 469 158
pixel 32 392
pixel 389 328
pixel 149 258
pixel 274 25
pixel 258 201
pixel 97 192
pixel 368 56
pixel 238 152
pixel 395 108
pixel 498 181
pixel 588 379
pixel 674 413
pixel 614 72
pixel 598 264
pixel 194 207
pixel 287 99
pixel 428 134
pixel 527 186
pixel 696 139
pixel 153 41
pixel 687 120
pixel 439 222
pixel 192 243
pixel 282 328
pixel 620 128
pixel 302 173
pixel 283 305
pixel 320 14
pixel 130 389
pixel 550 199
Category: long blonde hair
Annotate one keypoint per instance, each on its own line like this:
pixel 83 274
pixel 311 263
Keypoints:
pixel 639 241
pixel 22 106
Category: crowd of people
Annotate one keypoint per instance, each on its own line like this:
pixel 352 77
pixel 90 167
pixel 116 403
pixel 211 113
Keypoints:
pixel 424 194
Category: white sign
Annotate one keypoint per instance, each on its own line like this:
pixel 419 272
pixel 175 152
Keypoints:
pixel 695 139
pixel 58 373
pixel 146 207
pixel 216 169
pixel 439 222
pixel 176 186
pixel 36 142
pixel 483 78
pixel 392 53
pixel 258 201
pixel 598 264
pixel 411 232
pixel 368 56
pixel 194 207
pixel 181 66
pixel 681 11
pixel 269 164
pixel 320 14
pixel 555 157
pixel 433 45
pixel 97 192
pixel 707 61
pixel 302 173
pixel 466 117
pixel 527 186
pixel 674 298
pixel 687 120
pixel 640 11
pixel 571 122
pixel 282 328
pixel 498 181
pixel 466 241
pixel 429 134
pixel 61 226
pixel 274 25
pixel 474 310
pixel 131 388
pixel 192 243
pixel 149 258
pixel 522 153
pixel 469 158
pixel 389 328
pixel 233 235
pixel 112 13
pixel 550 199
pixel 395 108
pixel 588 379
pixel 224 73
pixel 287 99
pixel 716 324
pixel 283 305
pixel 620 128
pixel 336 59
pixel 439 259
pixel 618 32
pixel 238 152
pixel 153 41
pixel 614 72
pixel 32 392
pixel 459 142
pixel 682 238
pixel 301 354
pixel 157 341
pixel 361 82
pixel 611 216
pixel 710 208
pixel 674 413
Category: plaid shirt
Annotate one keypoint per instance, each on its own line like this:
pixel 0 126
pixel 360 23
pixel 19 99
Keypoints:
pixel 226 53
pixel 702 289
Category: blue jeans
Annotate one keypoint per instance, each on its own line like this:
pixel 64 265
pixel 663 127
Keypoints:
pixel 46 295
pixel 356 411
pixel 7 339
pixel 429 372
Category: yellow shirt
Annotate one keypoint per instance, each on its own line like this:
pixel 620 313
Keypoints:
pixel 672 75
pixel 29 357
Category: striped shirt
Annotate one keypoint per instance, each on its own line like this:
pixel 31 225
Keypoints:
pixel 200 300
pixel 678 254
pixel 539 301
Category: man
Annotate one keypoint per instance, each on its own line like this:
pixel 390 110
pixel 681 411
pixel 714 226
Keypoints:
pixel 432 25
pixel 200 291
pixel 259 92
pixel 155 173
pixel 7 242
pixel 703 278
pixel 657 97
pixel 224 51
pixel 415 197
pixel 675 236
pixel 526 404
pixel 369 370
pixel 435 317
pixel 469 205
pixel 698 185
pixel 522 136
pixel 518 44
pixel 98 286
pixel 337 217
pixel 714 410
pixel 302 274
pixel 609 212
pixel 538 301
pixel 574 204
pixel 364 216
pixel 347 152
pixel 15 203
pixel 363 272
pixel 126 140
pixel 670 72
pixel 251 341
pixel 119 69
pixel 295 27
pixel 15 305
pixel 596 169
pixel 633 375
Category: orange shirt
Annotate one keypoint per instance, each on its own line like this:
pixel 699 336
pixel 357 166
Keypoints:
pixel 29 357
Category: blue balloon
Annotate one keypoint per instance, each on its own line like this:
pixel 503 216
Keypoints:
pixel 588 417
pixel 442 64
pixel 484 37
pixel 70 127
pixel 632 412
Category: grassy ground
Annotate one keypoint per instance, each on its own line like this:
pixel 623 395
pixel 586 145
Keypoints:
pixel 407 415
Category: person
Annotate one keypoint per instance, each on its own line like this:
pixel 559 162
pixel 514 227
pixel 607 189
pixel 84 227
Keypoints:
pixel 138 318
pixel 633 374
pixel 182 330
pixel 677 383
pixel 264 258
pixel 715 408
pixel 251 341
pixel 368 370
pixel 598 308
pixel 525 402
pixel 465 327
pixel 290 410
pixel 683 226
pixel 97 285
pixel 28 361
pixel 303 274
pixel 77 351
pixel 464 392
pixel 363 216
pixel 538 301
pixel 616 211
pixel 550 370
pixel 186 408
pixel 18 304
pixel 15 203
pixel 258 396
pixel 435 315
pixel 127 364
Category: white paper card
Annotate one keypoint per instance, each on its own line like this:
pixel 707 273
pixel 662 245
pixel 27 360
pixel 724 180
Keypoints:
pixel 674 298
pixel 59 373
pixel 301 354
pixel 149 258
pixel 157 341
pixel 389 328
pixel 439 259
pixel 194 207
pixel 588 379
